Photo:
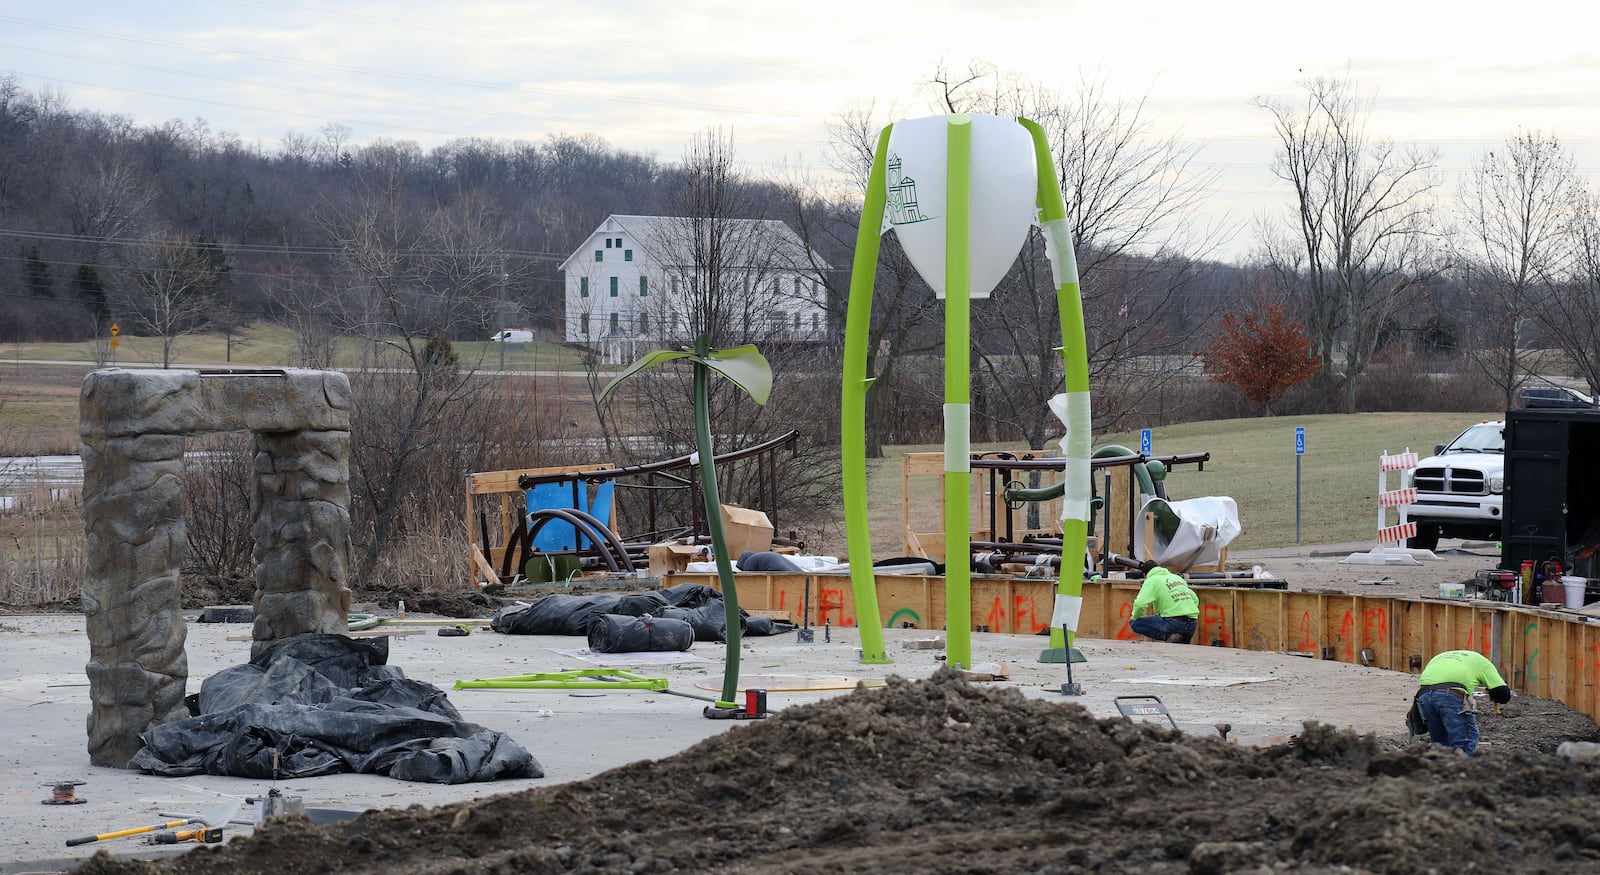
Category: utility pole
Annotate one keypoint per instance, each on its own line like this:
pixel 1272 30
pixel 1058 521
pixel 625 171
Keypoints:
pixel 502 314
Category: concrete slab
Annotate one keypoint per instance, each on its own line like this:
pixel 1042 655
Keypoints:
pixel 44 704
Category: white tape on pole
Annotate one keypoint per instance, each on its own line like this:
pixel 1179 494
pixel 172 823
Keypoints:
pixel 1067 610
pixel 958 438
pixel 1073 408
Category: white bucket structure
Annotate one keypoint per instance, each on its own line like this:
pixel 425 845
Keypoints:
pixel 1452 591
pixel 1574 587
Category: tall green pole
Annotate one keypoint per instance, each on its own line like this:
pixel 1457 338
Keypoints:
pixel 1073 407
pixel 958 393
pixel 713 507
pixel 853 410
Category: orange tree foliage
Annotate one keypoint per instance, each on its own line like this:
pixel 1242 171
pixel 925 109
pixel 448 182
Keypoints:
pixel 1262 355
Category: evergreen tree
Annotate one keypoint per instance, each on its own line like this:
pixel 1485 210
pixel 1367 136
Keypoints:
pixel 90 290
pixel 37 272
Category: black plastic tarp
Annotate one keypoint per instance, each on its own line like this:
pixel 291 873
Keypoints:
pixel 698 605
pixel 619 633
pixel 327 704
pixel 555 614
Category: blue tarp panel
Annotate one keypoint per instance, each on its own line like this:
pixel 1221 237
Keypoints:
pixel 557 535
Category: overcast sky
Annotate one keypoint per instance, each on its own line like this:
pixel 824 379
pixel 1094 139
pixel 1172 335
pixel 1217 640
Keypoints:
pixel 647 76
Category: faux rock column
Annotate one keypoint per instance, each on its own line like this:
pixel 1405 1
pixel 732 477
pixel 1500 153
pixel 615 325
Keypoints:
pixel 133 517
pixel 301 504
pixel 133 425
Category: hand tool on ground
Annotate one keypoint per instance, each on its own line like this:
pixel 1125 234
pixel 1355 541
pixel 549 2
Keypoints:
pixel 206 834
pixel 1069 688
pixel 84 840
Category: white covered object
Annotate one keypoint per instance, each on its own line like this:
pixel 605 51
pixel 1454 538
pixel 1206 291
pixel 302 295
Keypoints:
pixel 1004 188
pixel 1205 526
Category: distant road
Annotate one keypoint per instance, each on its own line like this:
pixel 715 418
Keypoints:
pixel 190 366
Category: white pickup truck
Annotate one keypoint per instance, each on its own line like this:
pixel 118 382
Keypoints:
pixel 1459 487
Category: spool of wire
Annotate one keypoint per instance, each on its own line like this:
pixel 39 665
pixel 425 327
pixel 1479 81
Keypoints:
pixel 63 793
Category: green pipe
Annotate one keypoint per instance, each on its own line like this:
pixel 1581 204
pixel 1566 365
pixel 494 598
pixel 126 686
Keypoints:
pixel 1075 368
pixel 853 410
pixel 958 392
pixel 1147 485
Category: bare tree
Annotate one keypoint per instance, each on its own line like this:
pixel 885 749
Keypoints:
pixel 420 274
pixel 1363 212
pixel 1570 311
pixel 1517 241
pixel 311 311
pixel 729 274
pixel 167 290
pixel 108 203
pixel 1131 198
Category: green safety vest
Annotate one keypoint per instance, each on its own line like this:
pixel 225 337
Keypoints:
pixel 1167 591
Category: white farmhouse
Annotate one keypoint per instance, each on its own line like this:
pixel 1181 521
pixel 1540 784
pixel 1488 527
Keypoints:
pixel 642 282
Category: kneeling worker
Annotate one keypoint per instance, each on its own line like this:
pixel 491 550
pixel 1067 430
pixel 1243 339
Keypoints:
pixel 1177 608
pixel 1444 696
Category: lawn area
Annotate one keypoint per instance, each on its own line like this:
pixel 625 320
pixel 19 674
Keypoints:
pixel 1252 461
pixel 272 346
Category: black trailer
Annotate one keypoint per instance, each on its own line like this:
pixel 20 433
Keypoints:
pixel 1552 490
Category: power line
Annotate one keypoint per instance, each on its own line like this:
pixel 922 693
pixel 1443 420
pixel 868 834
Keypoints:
pixel 258 248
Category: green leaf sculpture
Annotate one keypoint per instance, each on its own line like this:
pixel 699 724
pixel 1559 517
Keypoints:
pixel 748 369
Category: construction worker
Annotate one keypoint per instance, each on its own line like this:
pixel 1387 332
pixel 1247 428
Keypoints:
pixel 1177 608
pixel 1444 696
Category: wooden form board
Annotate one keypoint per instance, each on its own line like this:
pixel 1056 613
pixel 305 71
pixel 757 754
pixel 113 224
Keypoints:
pixel 1555 654
pixel 503 484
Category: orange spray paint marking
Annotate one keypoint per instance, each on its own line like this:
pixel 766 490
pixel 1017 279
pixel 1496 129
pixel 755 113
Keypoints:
pixel 1214 616
pixel 1376 621
pixel 997 616
pixel 1346 626
pixel 829 600
pixel 1307 643
pixel 1125 614
pixel 1023 604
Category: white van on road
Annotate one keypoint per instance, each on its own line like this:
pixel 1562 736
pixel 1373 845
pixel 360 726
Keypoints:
pixel 512 335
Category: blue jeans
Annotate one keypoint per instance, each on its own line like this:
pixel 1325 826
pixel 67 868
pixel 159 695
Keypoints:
pixel 1161 627
pixel 1448 722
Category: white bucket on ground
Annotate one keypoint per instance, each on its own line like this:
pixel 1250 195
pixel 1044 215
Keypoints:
pixel 1452 590
pixel 1574 587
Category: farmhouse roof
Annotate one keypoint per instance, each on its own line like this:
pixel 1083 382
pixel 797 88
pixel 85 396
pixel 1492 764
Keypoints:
pixel 665 239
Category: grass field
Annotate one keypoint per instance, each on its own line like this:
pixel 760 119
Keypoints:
pixel 39 403
pixel 272 346
pixel 1252 461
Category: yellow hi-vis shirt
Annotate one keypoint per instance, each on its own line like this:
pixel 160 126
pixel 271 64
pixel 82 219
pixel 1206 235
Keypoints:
pixel 1469 668
pixel 1167 591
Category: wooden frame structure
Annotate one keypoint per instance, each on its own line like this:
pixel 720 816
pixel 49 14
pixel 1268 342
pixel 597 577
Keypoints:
pixel 992 519
pixel 1555 654
pixel 504 484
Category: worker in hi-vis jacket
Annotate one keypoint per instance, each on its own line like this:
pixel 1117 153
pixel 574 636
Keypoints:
pixel 1177 608
pixel 1444 696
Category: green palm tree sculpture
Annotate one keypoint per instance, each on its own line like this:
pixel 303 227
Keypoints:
pixel 748 369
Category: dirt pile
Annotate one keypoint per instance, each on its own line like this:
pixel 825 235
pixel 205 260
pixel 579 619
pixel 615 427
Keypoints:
pixel 944 776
